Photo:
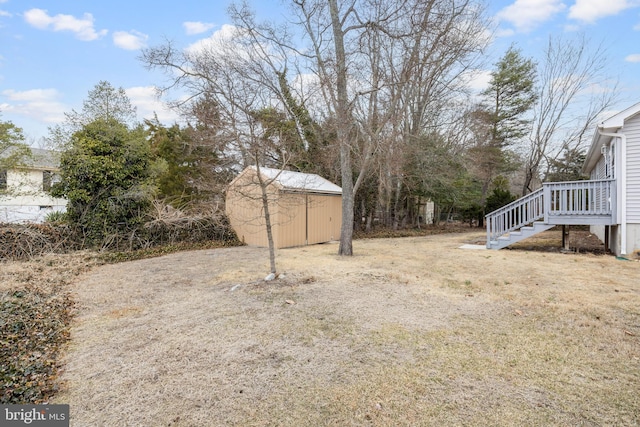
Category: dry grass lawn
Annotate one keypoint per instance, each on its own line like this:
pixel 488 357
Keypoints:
pixel 408 332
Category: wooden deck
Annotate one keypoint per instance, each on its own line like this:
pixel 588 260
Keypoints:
pixel 556 203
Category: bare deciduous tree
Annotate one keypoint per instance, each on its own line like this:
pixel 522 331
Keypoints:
pixel 237 70
pixel 381 73
pixel 570 100
pixel 384 67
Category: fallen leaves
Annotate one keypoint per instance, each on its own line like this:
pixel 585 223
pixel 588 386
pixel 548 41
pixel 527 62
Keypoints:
pixel 36 309
pixel 35 325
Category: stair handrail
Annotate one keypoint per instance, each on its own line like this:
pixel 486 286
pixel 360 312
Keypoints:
pixel 515 215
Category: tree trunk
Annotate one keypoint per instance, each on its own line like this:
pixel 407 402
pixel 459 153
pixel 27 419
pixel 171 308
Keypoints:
pixel 342 131
pixel 267 221
pixel 346 230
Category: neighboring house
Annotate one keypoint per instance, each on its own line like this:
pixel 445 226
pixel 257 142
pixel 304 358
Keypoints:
pixel 609 201
pixel 304 208
pixel 24 189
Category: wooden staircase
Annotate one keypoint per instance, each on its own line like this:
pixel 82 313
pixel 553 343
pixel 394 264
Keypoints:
pixel 515 236
pixel 556 203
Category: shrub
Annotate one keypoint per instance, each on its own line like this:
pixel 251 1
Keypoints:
pixel 26 241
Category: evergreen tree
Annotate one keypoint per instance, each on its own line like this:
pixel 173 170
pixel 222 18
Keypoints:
pixel 106 180
pixel 568 168
pixel 502 119
pixel 510 95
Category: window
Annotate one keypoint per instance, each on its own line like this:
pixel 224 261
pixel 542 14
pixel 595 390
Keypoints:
pixel 48 179
pixel 3 179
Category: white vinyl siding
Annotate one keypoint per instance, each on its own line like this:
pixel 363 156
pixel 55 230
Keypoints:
pixel 632 130
pixel 600 171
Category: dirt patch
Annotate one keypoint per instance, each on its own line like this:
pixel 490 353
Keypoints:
pixel 581 240
pixel 410 331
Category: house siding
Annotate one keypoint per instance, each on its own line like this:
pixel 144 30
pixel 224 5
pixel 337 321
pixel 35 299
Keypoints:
pixel 599 172
pixel 25 200
pixel 632 130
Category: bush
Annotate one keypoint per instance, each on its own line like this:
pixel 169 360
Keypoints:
pixel 106 179
pixel 499 198
pixel 56 217
pixel 166 225
pixel 26 241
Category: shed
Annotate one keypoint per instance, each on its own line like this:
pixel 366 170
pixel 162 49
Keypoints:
pixel 305 209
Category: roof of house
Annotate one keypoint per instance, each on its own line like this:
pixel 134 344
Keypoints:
pixel 610 125
pixel 44 159
pixel 39 158
pixel 300 182
pixel 616 121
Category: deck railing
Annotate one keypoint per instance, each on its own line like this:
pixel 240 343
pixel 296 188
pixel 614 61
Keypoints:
pixel 572 202
pixel 515 215
pixel 579 198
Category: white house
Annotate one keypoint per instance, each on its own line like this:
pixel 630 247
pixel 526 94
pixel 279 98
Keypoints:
pixel 24 189
pixel 609 202
pixel 615 154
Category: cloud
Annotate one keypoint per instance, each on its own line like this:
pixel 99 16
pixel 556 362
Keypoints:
pixel 130 40
pixel 633 58
pixel 39 104
pixel 504 32
pixel 525 15
pixel 192 28
pixel 83 28
pixel 589 11
pixel 477 80
pixel 572 28
pixel 147 103
pixel 5 13
pixel 215 41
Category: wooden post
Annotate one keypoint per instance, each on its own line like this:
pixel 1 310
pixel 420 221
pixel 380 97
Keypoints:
pixel 565 237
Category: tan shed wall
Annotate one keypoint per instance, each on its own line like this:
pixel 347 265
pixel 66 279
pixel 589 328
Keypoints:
pixel 244 209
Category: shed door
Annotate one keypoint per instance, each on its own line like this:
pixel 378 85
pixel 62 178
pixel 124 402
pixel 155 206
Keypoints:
pixel 324 218
pixel 292 221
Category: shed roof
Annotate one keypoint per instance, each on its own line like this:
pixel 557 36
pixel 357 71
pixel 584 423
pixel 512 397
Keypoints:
pixel 300 182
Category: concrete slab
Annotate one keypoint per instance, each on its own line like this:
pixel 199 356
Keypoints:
pixel 475 247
